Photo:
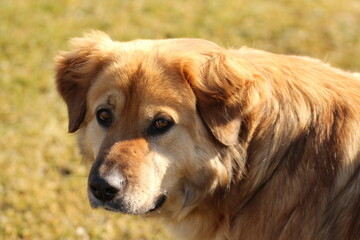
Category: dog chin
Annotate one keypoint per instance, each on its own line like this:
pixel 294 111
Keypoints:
pixel 118 205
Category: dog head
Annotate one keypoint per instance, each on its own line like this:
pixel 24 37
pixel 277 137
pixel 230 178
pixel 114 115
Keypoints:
pixel 155 117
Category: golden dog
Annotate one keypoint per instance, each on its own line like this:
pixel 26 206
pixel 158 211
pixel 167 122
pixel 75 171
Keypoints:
pixel 222 144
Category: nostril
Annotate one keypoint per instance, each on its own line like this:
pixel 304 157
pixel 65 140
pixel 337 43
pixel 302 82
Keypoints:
pixel 111 191
pixel 101 189
pixel 94 189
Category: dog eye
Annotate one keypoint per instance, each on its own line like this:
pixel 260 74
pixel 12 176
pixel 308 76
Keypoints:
pixel 104 117
pixel 159 126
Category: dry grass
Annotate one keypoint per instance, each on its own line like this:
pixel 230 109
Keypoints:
pixel 42 180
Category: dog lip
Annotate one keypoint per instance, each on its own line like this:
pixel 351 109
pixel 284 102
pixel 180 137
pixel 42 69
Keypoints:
pixel 115 206
pixel 159 202
pixel 107 208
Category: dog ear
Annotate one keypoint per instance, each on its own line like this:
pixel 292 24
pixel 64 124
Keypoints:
pixel 76 70
pixel 226 88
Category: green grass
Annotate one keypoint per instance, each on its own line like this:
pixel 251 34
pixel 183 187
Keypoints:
pixel 42 180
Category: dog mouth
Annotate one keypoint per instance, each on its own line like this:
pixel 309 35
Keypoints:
pixel 121 207
pixel 158 203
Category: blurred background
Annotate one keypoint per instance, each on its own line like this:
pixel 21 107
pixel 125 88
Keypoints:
pixel 42 178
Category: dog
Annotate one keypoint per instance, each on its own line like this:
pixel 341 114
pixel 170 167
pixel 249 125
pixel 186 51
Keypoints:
pixel 220 143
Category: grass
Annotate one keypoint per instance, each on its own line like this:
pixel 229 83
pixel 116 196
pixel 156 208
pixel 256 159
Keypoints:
pixel 42 180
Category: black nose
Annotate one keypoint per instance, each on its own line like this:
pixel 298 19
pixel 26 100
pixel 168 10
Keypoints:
pixel 101 189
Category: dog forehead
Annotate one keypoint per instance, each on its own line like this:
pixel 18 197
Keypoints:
pixel 141 75
pixel 147 86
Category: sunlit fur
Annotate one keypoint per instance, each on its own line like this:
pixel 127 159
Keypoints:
pixel 264 146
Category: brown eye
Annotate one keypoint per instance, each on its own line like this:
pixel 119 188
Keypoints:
pixel 104 117
pixel 160 125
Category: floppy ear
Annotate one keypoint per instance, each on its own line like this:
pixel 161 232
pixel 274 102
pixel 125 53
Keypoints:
pixel 76 70
pixel 226 88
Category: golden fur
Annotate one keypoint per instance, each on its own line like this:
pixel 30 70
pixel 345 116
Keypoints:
pixel 263 146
